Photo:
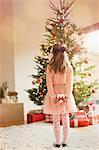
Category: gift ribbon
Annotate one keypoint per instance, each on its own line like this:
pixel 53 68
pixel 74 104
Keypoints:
pixel 75 122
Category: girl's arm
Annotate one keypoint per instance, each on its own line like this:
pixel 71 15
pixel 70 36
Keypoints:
pixel 69 82
pixel 49 83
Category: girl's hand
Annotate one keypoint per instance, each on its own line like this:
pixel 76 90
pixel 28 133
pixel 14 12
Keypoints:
pixel 59 96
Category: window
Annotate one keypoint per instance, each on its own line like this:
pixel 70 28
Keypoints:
pixel 91 38
pixel 91 41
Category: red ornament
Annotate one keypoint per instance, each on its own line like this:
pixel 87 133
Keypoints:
pixel 53 33
pixel 39 80
pixel 60 21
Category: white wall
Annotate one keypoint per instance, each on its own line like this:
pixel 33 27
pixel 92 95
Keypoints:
pixel 85 12
pixel 29 20
pixel 0 64
pixel 6 43
pixel 1 51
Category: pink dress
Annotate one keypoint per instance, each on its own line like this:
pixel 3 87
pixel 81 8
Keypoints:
pixel 58 84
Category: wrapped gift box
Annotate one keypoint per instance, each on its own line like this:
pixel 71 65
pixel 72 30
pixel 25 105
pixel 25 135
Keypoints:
pixel 92 105
pixel 78 122
pixel 78 115
pixel 78 119
pixel 92 117
pixel 35 117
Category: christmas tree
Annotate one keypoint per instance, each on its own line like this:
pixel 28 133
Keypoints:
pixel 59 29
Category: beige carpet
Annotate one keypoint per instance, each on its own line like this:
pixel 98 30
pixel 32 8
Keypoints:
pixel 40 136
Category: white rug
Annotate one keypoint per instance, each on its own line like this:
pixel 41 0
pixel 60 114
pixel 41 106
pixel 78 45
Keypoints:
pixel 40 136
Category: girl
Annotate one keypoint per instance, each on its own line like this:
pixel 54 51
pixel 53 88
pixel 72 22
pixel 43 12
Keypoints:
pixel 59 80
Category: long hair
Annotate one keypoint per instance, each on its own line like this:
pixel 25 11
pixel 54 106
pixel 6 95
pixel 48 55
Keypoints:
pixel 58 62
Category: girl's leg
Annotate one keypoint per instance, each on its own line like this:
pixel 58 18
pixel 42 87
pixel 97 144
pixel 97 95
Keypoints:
pixel 56 123
pixel 65 122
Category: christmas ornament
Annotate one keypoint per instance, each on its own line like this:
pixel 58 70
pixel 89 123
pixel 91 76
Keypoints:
pixel 53 33
pixel 77 48
pixel 39 80
pixel 61 20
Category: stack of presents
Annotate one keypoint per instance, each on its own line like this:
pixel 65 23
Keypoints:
pixel 84 117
